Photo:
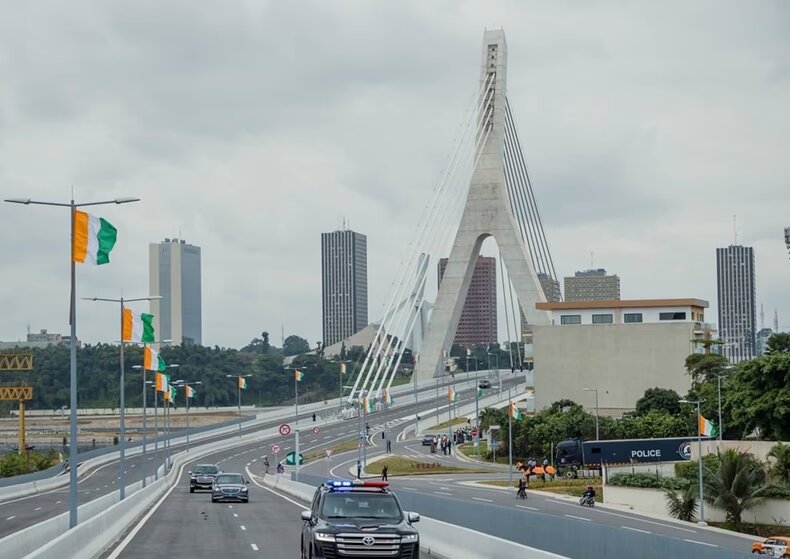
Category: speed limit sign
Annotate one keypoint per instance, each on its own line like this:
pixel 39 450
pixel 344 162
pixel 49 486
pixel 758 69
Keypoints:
pixel 285 429
pixel 275 449
pixel 316 430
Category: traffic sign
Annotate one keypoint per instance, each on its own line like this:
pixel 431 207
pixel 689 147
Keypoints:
pixel 285 429
pixel 290 458
pixel 328 452
pixel 474 431
pixel 316 430
pixel 275 449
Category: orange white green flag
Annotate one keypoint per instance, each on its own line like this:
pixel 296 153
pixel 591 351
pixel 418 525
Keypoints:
pixel 172 394
pixel 342 368
pixel 452 395
pixel 242 383
pixel 93 239
pixel 137 327
pixel 162 382
pixel 298 375
pixel 515 413
pixel 707 428
pixel 152 361
pixel 189 392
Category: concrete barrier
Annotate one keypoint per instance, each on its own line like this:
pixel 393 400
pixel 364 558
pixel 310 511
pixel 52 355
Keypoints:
pixel 437 538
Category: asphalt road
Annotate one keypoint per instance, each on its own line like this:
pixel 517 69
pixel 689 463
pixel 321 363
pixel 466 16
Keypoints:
pixel 490 499
pixel 17 514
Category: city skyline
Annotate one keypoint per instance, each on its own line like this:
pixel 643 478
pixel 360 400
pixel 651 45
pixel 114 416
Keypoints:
pixel 344 284
pixel 624 143
pixel 174 273
pixel 736 279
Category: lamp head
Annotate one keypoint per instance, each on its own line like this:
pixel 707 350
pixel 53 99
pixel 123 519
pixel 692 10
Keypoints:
pixel 125 200
pixel 25 201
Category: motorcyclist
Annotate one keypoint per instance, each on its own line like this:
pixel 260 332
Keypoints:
pixel 522 488
pixel 589 495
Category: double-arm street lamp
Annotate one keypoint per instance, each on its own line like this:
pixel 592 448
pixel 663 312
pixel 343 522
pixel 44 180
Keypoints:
pixel 699 459
pixel 121 300
pixel 240 380
pixel 74 445
pixel 146 384
pixel 187 395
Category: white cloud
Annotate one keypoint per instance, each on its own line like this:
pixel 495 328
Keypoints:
pixel 252 128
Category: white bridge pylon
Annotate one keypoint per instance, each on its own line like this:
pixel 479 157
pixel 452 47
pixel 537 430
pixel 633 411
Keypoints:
pixel 487 213
pixel 485 192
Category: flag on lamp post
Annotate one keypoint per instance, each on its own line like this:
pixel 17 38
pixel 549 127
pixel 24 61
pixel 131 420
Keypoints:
pixel 162 382
pixel 189 392
pixel 93 239
pixel 298 375
pixel 707 428
pixel 342 368
pixel 515 413
pixel 137 327
pixel 170 395
pixel 242 383
pixel 452 395
pixel 387 398
pixel 152 361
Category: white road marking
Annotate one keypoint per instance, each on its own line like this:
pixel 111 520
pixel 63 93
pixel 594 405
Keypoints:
pixel 58 502
pixel 579 518
pixel 254 547
pixel 701 543
pixel 410 488
pixel 11 517
pixel 526 507
pixel 244 528
pixel 481 499
pixel 632 518
pixel 37 508
pixel 442 493
pixel 235 515
pixel 635 529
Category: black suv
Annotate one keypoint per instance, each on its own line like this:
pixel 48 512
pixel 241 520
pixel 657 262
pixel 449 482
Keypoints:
pixel 358 519
pixel 202 477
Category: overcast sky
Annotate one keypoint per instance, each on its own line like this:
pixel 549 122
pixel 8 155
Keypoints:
pixel 250 127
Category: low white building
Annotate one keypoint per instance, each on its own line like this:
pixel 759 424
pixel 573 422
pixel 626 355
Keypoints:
pixel 621 348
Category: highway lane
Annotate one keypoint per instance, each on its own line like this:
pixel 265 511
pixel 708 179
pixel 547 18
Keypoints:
pixel 20 513
pixel 463 488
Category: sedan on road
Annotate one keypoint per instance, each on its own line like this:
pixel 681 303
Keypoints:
pixel 428 439
pixel 230 487
pixel 778 546
pixel 202 477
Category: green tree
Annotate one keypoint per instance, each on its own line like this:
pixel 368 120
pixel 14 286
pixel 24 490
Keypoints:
pixel 778 343
pixel 703 366
pixel 780 469
pixel 682 504
pixel 758 396
pixel 662 399
pixel 294 345
pixel 736 485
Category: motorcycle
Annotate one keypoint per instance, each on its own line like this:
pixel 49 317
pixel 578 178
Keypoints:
pixel 587 501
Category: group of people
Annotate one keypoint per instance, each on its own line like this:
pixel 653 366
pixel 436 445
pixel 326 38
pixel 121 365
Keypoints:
pixel 280 468
pixel 446 444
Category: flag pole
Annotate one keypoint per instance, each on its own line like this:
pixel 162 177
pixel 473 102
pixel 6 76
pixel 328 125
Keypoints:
pixel 74 446
pixel 122 481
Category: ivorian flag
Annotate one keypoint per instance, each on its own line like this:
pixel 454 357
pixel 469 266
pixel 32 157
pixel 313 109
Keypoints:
pixel 242 383
pixel 172 392
pixel 515 413
pixel 189 392
pixel 479 392
pixel 452 395
pixel 137 327
pixel 298 375
pixel 152 361
pixel 342 368
pixel 387 398
pixel 92 240
pixel 162 382
pixel 707 428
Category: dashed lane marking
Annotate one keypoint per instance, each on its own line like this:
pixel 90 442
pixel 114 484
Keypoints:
pixel 442 493
pixel 484 500
pixel 244 528
pixel 254 547
pixel 701 543
pixel 526 507
pixel 579 518
pixel 635 529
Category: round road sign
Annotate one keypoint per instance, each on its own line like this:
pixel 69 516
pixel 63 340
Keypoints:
pixel 316 430
pixel 474 431
pixel 275 449
pixel 285 429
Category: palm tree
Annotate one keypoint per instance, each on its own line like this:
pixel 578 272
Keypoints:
pixel 736 485
pixel 781 467
pixel 683 505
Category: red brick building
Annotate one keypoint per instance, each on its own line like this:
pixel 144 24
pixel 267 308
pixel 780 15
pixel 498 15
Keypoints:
pixel 478 323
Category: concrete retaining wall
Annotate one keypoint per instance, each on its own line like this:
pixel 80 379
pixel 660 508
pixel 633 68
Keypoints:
pixel 652 501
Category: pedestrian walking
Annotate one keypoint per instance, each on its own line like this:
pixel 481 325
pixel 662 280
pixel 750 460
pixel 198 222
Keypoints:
pixel 359 469
pixel 266 464
pixel 389 446
pixel 384 471
pixel 450 447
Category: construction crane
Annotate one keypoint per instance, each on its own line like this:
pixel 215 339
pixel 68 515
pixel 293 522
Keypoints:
pixel 17 362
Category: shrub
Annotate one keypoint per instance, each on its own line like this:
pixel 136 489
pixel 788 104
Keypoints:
pixel 649 481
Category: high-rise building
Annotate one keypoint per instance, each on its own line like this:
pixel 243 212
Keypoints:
pixel 737 307
pixel 478 322
pixel 344 284
pixel 174 274
pixel 551 288
pixel 592 285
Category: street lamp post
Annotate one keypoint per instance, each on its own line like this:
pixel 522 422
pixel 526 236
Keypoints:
pixel 597 434
pixel 699 460
pixel 166 412
pixel 74 444
pixel 238 388
pixel 122 480
pixel 186 385
pixel 718 392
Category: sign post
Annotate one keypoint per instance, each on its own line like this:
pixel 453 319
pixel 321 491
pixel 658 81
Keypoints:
pixel 298 457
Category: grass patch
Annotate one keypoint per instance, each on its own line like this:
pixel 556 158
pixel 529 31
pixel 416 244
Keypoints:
pixel 399 381
pixel 759 530
pixel 402 466
pixel 468 450
pixel 446 424
pixel 353 444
